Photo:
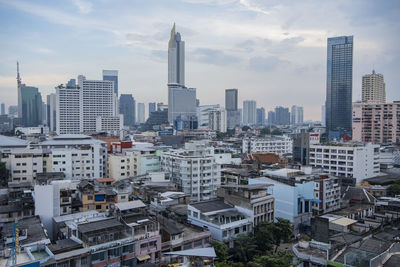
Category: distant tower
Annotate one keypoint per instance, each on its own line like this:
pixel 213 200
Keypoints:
pixel 19 92
pixel 176 59
pixel 373 88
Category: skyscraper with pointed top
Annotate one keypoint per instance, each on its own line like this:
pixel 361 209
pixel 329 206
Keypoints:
pixel 176 59
pixel 181 100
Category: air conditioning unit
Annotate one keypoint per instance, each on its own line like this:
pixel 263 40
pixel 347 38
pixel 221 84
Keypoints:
pixel 148 234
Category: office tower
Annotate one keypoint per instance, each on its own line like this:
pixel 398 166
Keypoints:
pixel 111 75
pixel 176 59
pixel 44 113
pixel 13 111
pixel 141 113
pixel 79 107
pixel 217 120
pixel 377 123
pixel 339 86
pixel 271 117
pixel 260 120
pixel 31 104
pixel 51 112
pixel 249 112
pixel 231 99
pixel 231 106
pixel 323 116
pixel 152 107
pixel 3 109
pixel 282 116
pixel 181 100
pixel 127 107
pixel 296 115
pixel 197 102
pixel 373 88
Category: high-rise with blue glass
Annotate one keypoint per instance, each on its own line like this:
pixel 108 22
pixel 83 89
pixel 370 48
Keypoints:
pixel 339 86
pixel 111 75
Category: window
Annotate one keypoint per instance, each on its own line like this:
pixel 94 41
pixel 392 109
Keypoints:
pixel 128 249
pixel 98 257
pixel 90 197
pixel 195 214
pixel 98 207
pixel 237 230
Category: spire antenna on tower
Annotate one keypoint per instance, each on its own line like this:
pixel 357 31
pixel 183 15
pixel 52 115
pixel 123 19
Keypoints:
pixel 18 76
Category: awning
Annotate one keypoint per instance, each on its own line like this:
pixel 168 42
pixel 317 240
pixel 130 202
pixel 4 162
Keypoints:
pixel 143 257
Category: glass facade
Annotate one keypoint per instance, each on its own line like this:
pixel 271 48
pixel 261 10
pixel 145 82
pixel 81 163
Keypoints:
pixel 32 105
pixel 127 107
pixel 339 85
pixel 111 75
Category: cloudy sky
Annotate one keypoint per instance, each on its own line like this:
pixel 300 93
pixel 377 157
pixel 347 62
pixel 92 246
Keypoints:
pixel 273 51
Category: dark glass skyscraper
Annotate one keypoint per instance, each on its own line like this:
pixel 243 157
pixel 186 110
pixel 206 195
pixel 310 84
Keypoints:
pixel 111 75
pixel 339 86
pixel 127 107
pixel 31 101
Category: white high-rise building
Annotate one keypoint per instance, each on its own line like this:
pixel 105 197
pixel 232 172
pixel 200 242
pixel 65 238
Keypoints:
pixel 360 161
pixel 78 107
pixel 296 115
pixel 373 88
pixel 52 112
pixel 193 169
pixel 141 112
pixel 217 120
pixel 176 59
pixel 203 113
pixel 249 112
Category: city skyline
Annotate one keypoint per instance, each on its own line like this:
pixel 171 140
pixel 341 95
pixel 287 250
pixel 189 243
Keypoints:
pixel 248 57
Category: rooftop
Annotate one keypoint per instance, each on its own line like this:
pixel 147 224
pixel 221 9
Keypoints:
pixel 99 225
pixel 7 141
pixel 130 205
pixel 211 205
pixel 31 226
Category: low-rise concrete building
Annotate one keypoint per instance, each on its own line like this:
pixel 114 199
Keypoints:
pixel 223 220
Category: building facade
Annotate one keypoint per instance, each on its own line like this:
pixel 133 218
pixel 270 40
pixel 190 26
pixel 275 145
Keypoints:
pixel 249 112
pixel 141 109
pixel 111 75
pixel 217 120
pixel 276 144
pixel 296 115
pixel 373 88
pixel 377 122
pixel 339 85
pixel 193 169
pixel 231 106
pixel 31 106
pixel 359 161
pixel 127 107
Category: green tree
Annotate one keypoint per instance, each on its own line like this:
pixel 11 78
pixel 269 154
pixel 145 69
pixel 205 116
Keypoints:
pixel 4 175
pixel 228 264
pixel 244 249
pixel 276 132
pixel 282 232
pixel 265 131
pixel 263 236
pixel 221 250
pixel 281 259
pixel 245 128
pixel 394 189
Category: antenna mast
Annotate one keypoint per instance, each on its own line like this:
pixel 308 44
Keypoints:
pixel 18 76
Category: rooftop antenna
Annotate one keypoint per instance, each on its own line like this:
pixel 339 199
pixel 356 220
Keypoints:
pixel 18 76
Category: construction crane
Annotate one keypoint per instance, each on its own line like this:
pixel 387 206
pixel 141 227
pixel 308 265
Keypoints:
pixel 12 259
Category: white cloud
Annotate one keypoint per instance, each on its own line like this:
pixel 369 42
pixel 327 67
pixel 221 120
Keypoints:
pixel 84 7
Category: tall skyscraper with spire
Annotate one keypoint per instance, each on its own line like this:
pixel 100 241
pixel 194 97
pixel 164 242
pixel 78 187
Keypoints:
pixel 19 92
pixel 181 100
pixel 176 59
